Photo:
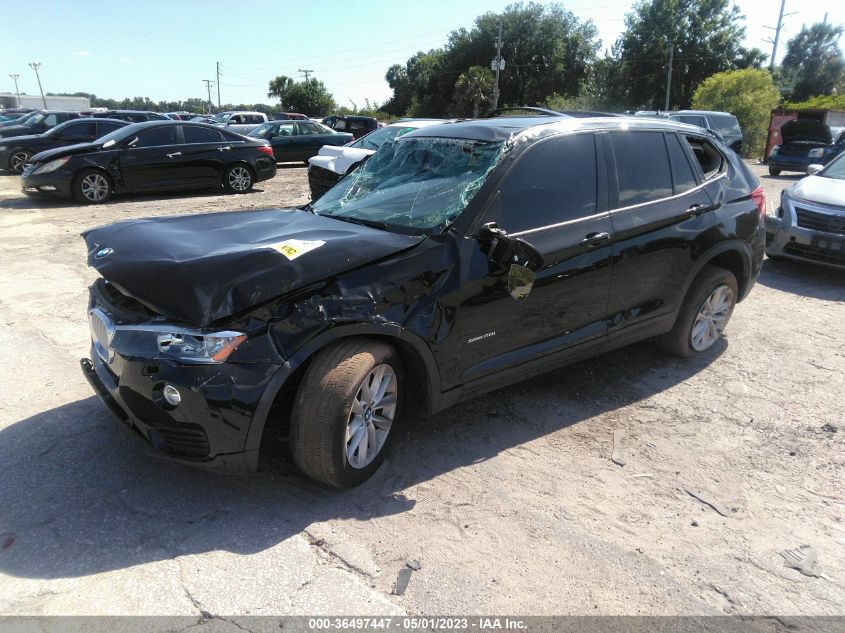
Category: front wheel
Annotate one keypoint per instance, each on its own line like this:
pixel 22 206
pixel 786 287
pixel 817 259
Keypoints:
pixel 704 313
pixel 238 179
pixel 18 159
pixel 774 171
pixel 91 186
pixel 345 410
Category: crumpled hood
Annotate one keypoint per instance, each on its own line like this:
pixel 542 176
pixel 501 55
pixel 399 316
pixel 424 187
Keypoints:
pixel 806 130
pixel 820 189
pixel 201 268
pixel 339 158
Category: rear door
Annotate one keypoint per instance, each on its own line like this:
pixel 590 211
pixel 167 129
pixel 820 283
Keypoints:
pixel 660 212
pixel 203 154
pixel 554 198
pixel 150 162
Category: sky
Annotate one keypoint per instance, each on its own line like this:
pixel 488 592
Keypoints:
pixel 164 49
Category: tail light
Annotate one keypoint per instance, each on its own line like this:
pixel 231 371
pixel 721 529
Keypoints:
pixel 265 149
pixel 759 198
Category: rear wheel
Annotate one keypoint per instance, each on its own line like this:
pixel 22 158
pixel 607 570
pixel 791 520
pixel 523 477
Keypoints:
pixel 704 313
pixel 18 159
pixel 91 186
pixel 344 412
pixel 774 171
pixel 238 179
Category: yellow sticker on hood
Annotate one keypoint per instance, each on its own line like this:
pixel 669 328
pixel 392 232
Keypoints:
pixel 294 248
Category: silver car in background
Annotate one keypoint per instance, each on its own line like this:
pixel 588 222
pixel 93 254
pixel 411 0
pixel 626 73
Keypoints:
pixel 809 224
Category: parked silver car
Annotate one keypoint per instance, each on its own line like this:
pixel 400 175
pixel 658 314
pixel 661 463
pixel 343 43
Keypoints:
pixel 809 224
pixel 240 121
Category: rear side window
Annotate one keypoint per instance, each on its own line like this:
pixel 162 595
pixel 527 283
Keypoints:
pixel 707 157
pixel 690 119
pixel 105 127
pixel 253 118
pixel 683 177
pixel 308 128
pixel 194 134
pixel 165 135
pixel 555 181
pixel 82 128
pixel 642 167
pixel 724 124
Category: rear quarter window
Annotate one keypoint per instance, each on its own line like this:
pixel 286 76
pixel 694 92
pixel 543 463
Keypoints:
pixel 643 171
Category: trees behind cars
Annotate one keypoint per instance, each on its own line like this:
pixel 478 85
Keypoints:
pixel 749 95
pixel 813 63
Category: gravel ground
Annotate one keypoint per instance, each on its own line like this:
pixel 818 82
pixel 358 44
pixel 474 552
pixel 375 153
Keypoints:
pixel 510 502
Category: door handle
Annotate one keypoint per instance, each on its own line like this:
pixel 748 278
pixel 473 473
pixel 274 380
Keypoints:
pixel 174 154
pixel 595 238
pixel 698 209
pixel 223 149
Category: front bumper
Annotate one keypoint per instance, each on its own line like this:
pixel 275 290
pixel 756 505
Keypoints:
pixel 56 183
pixel 209 428
pixel 792 237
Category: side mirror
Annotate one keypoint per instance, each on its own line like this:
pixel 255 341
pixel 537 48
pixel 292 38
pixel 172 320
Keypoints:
pixel 520 281
pixel 814 169
pixel 512 254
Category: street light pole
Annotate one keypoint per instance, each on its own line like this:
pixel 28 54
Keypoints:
pixel 15 78
pixel 35 66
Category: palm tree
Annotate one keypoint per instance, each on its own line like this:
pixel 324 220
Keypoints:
pixel 279 87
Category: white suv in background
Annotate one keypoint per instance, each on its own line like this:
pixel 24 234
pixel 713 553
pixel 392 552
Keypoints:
pixel 239 121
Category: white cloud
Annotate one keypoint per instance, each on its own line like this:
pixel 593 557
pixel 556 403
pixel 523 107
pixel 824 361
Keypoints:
pixel 81 53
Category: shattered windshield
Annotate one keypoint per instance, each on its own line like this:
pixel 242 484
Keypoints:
pixel 418 183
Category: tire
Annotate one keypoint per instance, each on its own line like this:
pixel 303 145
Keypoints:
pixel 17 159
pixel 238 178
pixel 92 186
pixel 325 408
pixel 687 338
pixel 774 171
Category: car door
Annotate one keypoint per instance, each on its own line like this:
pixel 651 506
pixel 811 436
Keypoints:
pixel 202 156
pixel 660 213
pixel 147 161
pixel 283 141
pixel 309 140
pixel 554 197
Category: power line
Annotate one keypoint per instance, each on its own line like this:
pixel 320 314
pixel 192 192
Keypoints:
pixel 305 72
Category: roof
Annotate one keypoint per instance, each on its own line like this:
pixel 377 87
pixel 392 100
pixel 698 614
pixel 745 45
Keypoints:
pixel 504 128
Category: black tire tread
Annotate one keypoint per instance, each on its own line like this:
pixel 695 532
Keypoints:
pixel 676 340
pixel 329 383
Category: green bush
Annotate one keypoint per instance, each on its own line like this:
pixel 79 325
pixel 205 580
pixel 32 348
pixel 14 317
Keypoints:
pixel 750 95
pixel 821 102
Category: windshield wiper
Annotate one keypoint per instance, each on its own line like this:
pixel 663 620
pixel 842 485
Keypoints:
pixel 375 224
pixel 308 207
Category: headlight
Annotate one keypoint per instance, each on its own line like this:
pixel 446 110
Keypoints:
pixel 816 153
pixel 53 165
pixel 169 342
pixel 199 348
pixel 774 150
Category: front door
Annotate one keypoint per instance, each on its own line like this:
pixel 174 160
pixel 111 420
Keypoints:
pixel 150 162
pixel 553 198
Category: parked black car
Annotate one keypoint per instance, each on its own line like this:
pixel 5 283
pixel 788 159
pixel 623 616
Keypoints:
pixel 37 122
pixel 132 116
pixel 152 156
pixel 459 259
pixel 358 126
pixel 15 151
pixel 804 142
pixel 298 140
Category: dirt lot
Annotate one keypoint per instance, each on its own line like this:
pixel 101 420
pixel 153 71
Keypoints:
pixel 510 502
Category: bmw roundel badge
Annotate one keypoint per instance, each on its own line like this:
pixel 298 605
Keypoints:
pixel 103 252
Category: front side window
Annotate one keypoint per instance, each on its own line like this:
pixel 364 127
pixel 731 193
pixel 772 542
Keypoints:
pixel 555 181
pixel 642 167
pixel 165 135
pixel 417 184
pixel 308 128
pixel 81 128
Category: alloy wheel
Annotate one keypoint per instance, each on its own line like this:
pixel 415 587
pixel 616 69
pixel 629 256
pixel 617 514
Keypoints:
pixel 240 179
pixel 371 418
pixel 94 187
pixel 712 318
pixel 17 161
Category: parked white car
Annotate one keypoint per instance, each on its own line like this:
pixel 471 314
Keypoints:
pixel 239 121
pixel 333 162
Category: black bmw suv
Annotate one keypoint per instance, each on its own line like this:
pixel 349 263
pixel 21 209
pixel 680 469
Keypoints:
pixel 460 258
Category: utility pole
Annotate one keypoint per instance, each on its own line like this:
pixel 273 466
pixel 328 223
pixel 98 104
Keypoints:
pixel 208 83
pixel 777 29
pixel 35 66
pixel 306 72
pixel 498 63
pixel 669 75
pixel 218 85
pixel 15 78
